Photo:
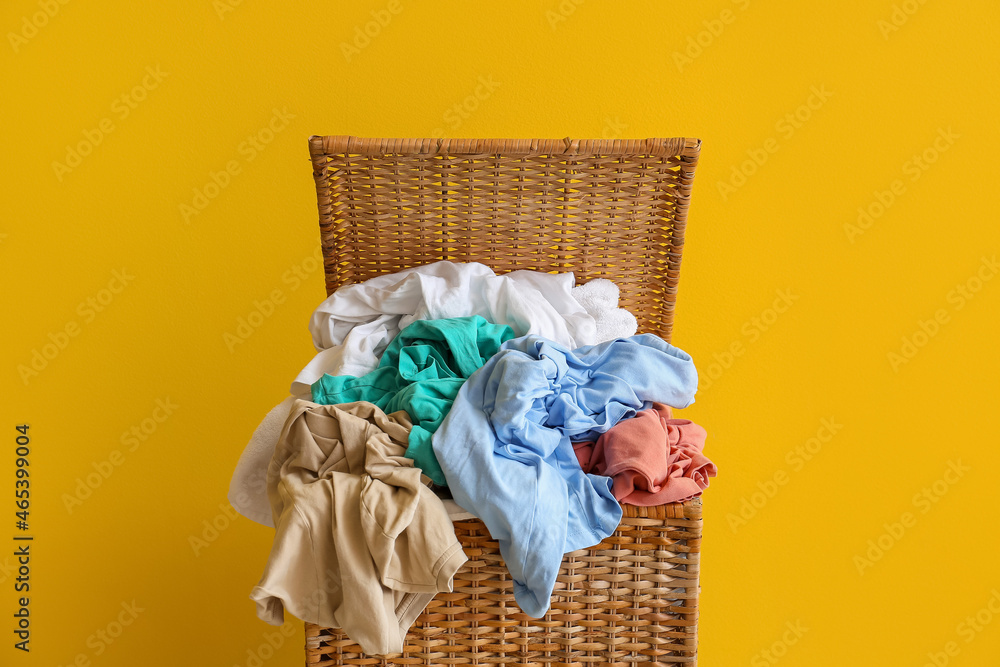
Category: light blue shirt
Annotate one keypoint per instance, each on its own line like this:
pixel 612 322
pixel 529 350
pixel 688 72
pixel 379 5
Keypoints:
pixel 506 446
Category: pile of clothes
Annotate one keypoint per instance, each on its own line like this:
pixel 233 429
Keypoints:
pixel 529 401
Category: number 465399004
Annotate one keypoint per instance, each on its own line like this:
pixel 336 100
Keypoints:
pixel 22 487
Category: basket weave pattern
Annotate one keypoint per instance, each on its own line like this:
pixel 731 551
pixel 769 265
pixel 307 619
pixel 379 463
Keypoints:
pixel 630 599
pixel 602 209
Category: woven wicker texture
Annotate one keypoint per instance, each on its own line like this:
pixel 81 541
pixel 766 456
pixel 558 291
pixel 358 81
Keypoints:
pixel 608 209
pixel 603 209
pixel 631 599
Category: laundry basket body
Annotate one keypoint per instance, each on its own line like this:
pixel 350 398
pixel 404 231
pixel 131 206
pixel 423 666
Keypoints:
pixel 602 209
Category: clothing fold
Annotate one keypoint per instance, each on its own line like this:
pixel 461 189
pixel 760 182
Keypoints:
pixel 421 372
pixel 652 458
pixel 360 542
pixel 353 326
pixel 506 445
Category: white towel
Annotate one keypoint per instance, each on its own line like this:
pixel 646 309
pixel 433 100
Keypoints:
pixel 600 298
pixel 352 327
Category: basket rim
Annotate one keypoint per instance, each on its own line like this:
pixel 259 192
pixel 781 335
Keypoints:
pixel 319 145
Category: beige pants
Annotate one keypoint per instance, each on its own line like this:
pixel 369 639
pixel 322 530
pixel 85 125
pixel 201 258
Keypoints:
pixel 360 543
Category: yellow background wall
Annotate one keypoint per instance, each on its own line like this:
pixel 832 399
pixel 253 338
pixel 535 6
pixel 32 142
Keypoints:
pixel 835 533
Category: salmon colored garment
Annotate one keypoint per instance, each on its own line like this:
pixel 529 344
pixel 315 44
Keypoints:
pixel 651 458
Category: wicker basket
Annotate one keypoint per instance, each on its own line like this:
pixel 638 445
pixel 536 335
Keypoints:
pixel 603 209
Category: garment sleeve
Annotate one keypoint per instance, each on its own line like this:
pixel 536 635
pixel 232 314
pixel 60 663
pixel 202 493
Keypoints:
pixel 521 500
pixel 409 534
pixel 290 578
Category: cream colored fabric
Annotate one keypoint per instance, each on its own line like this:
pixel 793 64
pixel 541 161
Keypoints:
pixel 360 543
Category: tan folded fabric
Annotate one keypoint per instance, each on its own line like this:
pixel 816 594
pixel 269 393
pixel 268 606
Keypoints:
pixel 360 543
